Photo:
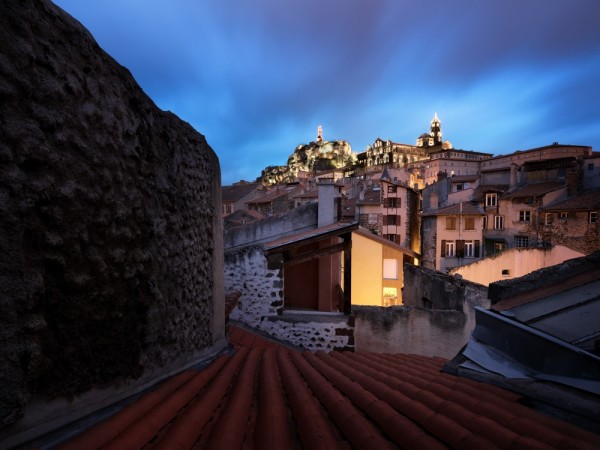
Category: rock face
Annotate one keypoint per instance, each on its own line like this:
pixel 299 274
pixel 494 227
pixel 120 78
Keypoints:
pixel 110 236
pixel 312 157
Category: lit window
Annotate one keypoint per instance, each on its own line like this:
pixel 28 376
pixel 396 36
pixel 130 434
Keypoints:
pixel 491 199
pixel 521 241
pixel 469 223
pixel 450 223
pixel 390 296
pixel 498 222
pixel 390 269
pixel 524 216
pixel 593 216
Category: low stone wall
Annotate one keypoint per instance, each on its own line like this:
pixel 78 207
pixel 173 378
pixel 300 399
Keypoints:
pixel 437 318
pixel 261 305
pixel 402 329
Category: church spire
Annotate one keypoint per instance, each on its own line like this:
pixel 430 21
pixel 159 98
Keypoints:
pixel 320 134
pixel 436 130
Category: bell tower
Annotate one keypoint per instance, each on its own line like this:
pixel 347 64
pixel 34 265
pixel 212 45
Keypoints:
pixel 320 134
pixel 435 130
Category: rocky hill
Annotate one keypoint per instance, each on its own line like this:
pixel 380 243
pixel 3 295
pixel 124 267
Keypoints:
pixel 312 157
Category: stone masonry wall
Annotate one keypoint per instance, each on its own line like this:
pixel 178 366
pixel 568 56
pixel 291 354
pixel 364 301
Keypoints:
pixel 261 304
pixel 110 232
pixel 437 318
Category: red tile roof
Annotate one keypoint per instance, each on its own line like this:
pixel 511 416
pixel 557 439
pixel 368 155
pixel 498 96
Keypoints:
pixel 276 398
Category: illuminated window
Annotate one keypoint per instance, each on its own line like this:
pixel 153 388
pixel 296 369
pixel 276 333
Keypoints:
pixel 390 296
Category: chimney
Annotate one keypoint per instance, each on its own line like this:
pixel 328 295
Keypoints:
pixel 513 175
pixel 328 198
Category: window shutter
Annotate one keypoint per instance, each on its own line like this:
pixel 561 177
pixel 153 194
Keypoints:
pixel 398 220
pixel 476 249
pixel 460 248
pixel 443 248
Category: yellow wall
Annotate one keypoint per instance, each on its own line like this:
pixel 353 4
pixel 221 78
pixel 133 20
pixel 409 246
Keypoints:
pixel 367 271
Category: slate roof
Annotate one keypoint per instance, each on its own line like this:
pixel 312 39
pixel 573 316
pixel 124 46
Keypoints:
pixel 585 201
pixel 463 208
pixel 463 178
pixel 535 190
pixel 371 197
pixel 235 192
pixel 481 190
pixel 274 398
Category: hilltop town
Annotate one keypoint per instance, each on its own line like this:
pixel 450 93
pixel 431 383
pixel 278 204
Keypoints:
pixel 485 217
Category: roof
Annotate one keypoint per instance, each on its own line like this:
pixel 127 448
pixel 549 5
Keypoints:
pixel 269 196
pixel 463 178
pixel 463 208
pixel 237 191
pixel 310 194
pixel 314 234
pixel 482 189
pixel 371 197
pixel 585 201
pixel 535 190
pixel 271 397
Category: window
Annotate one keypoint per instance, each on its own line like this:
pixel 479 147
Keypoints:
pixel 393 220
pixel 391 189
pixel 469 223
pixel 593 216
pixel 521 241
pixel 498 222
pixel 524 216
pixel 563 215
pixel 505 272
pixel 467 249
pixel 450 223
pixel 390 296
pixel 390 269
pixel 548 219
pixel 484 223
pixel 449 247
pixel 499 246
pixel 469 253
pixel 491 199
pixel 392 202
pixel 459 187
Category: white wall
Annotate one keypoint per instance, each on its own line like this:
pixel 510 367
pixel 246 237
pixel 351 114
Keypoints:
pixel 518 262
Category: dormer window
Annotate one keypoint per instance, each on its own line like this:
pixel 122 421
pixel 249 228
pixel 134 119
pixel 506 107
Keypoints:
pixel 491 199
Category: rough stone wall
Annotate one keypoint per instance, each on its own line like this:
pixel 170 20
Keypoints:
pixel 441 327
pixel 401 329
pixel 428 241
pixel 261 304
pixel 110 232
pixel 436 290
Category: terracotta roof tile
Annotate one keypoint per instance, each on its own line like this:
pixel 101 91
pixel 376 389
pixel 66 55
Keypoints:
pixel 276 398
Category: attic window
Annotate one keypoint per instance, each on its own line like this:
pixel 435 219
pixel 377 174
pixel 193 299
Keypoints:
pixel 491 199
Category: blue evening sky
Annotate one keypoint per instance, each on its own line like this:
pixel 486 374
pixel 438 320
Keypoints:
pixel 256 77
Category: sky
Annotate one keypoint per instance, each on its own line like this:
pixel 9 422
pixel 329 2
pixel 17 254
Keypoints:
pixel 257 77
